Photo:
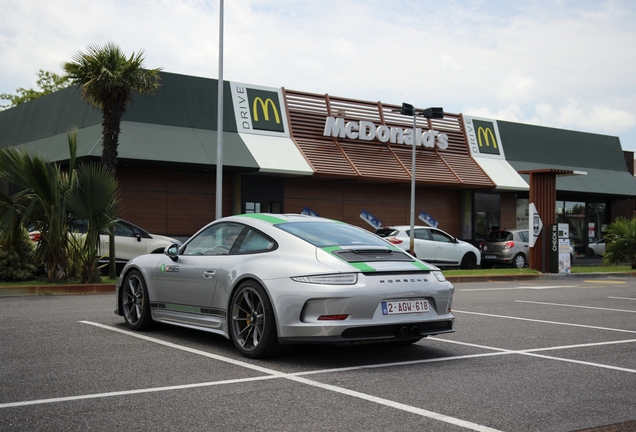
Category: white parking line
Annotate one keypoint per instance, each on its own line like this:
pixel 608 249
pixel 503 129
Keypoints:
pixel 130 392
pixel 575 306
pixel 271 374
pixel 533 352
pixel 622 298
pixel 545 322
pixel 529 287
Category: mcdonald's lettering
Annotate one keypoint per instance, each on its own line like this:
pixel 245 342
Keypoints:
pixel 265 110
pixel 367 131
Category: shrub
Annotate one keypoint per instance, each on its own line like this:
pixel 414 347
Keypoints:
pixel 621 242
pixel 16 261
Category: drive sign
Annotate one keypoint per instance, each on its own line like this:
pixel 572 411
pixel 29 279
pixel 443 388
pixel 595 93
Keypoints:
pixel 536 225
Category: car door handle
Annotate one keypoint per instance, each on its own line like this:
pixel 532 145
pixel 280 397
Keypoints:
pixel 209 274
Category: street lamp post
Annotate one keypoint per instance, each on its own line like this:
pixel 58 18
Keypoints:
pixel 219 124
pixel 408 109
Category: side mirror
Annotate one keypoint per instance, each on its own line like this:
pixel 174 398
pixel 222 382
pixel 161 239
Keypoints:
pixel 138 236
pixel 172 251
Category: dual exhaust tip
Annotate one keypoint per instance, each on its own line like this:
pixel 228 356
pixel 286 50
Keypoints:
pixel 406 332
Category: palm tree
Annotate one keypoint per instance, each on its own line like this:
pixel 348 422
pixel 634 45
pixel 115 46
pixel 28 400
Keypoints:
pixel 41 203
pixel 92 198
pixel 107 80
pixel 50 198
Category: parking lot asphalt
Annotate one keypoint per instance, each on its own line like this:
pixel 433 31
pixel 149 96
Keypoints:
pixel 528 355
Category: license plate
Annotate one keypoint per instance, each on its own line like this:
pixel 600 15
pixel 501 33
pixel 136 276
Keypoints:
pixel 404 307
pixel 490 256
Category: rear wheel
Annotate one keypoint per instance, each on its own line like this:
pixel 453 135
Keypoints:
pixel 253 325
pixel 519 261
pixel 469 261
pixel 135 302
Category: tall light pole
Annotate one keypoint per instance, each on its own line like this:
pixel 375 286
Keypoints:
pixel 408 109
pixel 219 124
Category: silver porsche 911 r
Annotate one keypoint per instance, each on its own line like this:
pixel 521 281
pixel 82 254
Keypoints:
pixel 267 280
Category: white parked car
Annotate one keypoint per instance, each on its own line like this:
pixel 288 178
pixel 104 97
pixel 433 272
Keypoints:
pixel 130 242
pixel 596 248
pixel 433 246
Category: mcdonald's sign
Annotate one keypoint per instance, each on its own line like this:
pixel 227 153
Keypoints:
pixel 259 110
pixel 486 137
pixel 265 110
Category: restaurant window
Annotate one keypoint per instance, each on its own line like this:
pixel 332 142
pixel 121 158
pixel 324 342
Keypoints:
pixel 573 213
pixel 487 213
pixel 596 225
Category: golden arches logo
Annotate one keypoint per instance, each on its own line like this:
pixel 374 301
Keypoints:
pixel 265 104
pixel 487 135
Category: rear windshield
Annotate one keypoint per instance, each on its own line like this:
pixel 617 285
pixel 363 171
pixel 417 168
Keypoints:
pixel 386 232
pixel 323 234
pixel 499 236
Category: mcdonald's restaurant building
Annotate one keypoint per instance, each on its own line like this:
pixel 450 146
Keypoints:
pixel 292 151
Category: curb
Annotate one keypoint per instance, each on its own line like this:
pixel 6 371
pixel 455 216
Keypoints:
pixel 74 289
pixel 78 289
pixel 548 276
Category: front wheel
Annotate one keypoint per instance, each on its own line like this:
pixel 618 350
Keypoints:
pixel 253 325
pixel 469 261
pixel 519 261
pixel 135 302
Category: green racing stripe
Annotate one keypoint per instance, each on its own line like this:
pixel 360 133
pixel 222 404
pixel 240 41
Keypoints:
pixel 267 218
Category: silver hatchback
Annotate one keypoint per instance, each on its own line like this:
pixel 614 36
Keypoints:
pixel 505 247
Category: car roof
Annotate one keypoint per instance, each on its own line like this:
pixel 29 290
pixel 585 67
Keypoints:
pixel 406 227
pixel 274 218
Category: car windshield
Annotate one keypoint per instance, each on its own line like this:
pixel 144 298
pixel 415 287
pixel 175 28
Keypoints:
pixel 386 232
pixel 324 234
pixel 499 236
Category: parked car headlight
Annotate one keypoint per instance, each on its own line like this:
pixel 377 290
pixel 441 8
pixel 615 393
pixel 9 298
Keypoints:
pixel 330 279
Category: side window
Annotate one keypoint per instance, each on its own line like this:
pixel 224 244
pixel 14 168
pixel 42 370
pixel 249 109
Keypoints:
pixel 215 240
pixel 524 236
pixel 439 236
pixel 123 230
pixel 256 242
pixel 421 234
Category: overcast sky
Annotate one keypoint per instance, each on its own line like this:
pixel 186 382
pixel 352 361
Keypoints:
pixel 559 63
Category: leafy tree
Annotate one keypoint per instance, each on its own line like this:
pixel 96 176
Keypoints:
pixel 107 80
pixel 47 82
pixel 621 242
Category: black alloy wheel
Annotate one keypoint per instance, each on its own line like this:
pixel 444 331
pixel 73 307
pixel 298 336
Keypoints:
pixel 135 302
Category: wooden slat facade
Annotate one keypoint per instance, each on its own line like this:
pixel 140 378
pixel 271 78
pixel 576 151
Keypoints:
pixel 373 160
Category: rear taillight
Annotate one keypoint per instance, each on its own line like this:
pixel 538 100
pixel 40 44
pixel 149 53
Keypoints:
pixel 35 236
pixel 340 317
pixel 509 245
pixel 393 240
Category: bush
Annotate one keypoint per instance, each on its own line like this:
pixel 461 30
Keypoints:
pixel 621 242
pixel 16 262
